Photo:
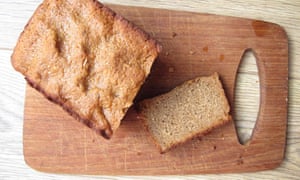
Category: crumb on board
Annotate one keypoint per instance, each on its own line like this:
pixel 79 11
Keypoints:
pixel 192 52
pixel 205 49
pixel 174 34
pixel 222 57
pixel 171 69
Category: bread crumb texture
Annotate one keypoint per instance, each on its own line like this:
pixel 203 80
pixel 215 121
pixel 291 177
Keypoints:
pixel 86 58
pixel 191 109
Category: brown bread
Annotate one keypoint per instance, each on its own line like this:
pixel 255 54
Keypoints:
pixel 191 109
pixel 84 57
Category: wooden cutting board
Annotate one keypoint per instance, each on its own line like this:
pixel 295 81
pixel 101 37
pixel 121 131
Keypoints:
pixel 193 45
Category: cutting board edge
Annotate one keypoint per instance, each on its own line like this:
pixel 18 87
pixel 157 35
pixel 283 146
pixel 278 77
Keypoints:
pixel 146 173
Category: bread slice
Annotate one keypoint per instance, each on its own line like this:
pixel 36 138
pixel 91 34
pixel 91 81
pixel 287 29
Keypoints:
pixel 191 109
pixel 86 58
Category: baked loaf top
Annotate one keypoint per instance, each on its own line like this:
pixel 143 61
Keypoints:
pixel 84 57
pixel 191 109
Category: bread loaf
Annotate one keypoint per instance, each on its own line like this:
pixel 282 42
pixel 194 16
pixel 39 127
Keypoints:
pixel 86 58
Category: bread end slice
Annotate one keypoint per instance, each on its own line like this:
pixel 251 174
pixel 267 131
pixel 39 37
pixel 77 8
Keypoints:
pixel 190 110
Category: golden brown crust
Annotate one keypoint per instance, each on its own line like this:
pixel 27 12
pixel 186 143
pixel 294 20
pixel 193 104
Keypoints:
pixel 106 133
pixel 86 58
pixel 129 25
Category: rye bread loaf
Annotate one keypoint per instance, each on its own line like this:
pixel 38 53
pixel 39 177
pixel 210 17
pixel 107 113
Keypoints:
pixel 86 58
pixel 191 109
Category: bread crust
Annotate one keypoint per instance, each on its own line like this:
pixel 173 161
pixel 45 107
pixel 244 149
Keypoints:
pixel 106 133
pixel 106 127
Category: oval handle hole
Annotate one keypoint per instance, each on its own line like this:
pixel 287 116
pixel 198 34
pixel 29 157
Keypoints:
pixel 247 96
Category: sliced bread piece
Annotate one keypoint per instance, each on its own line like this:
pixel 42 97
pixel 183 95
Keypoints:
pixel 84 57
pixel 191 109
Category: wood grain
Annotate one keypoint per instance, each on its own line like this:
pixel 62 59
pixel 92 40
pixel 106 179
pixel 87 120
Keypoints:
pixel 15 14
pixel 191 47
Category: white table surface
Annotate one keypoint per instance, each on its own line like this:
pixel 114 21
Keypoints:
pixel 15 14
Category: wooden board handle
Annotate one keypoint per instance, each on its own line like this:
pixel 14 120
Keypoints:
pixel 273 73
